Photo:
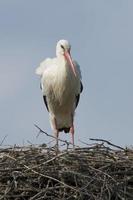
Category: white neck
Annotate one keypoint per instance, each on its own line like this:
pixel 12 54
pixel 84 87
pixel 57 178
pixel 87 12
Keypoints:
pixel 59 53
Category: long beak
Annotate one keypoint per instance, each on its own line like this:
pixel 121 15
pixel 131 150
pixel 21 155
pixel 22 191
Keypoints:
pixel 69 59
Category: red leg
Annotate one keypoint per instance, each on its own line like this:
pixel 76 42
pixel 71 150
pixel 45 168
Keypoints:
pixel 56 137
pixel 56 132
pixel 72 134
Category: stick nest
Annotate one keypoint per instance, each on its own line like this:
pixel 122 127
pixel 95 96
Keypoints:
pixel 96 172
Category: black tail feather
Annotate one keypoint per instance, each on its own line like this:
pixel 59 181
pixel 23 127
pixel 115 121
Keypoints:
pixel 66 130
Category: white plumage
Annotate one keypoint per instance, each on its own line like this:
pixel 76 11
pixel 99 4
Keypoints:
pixel 61 87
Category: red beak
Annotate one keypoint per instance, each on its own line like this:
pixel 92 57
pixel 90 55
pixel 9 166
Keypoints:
pixel 69 59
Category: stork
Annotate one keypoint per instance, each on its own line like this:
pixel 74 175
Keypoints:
pixel 61 87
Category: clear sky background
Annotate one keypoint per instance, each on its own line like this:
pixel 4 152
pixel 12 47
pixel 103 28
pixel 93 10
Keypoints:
pixel 101 35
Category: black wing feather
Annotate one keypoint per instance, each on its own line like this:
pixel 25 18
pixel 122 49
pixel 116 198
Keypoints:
pixel 78 96
pixel 81 87
pixel 44 98
pixel 45 101
pixel 77 100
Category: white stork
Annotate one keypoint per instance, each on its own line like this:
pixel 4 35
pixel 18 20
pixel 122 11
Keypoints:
pixel 61 87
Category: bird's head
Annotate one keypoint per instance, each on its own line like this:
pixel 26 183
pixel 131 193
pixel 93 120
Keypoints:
pixel 63 48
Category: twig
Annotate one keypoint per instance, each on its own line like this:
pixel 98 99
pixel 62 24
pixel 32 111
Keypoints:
pixel 64 141
pixel 98 170
pixel 44 175
pixel 3 140
pixel 109 143
pixel 50 160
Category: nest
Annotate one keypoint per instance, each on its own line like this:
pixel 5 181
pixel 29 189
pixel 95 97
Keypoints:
pixel 100 171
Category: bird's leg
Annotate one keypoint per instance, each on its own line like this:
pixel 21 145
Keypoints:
pixel 56 136
pixel 72 131
pixel 56 132
pixel 72 134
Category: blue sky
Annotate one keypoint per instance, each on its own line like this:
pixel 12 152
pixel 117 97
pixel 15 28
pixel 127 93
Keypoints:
pixel 101 35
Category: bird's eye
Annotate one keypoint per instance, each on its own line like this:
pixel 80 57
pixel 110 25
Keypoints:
pixel 62 47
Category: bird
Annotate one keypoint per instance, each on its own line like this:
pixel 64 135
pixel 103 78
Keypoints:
pixel 61 85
